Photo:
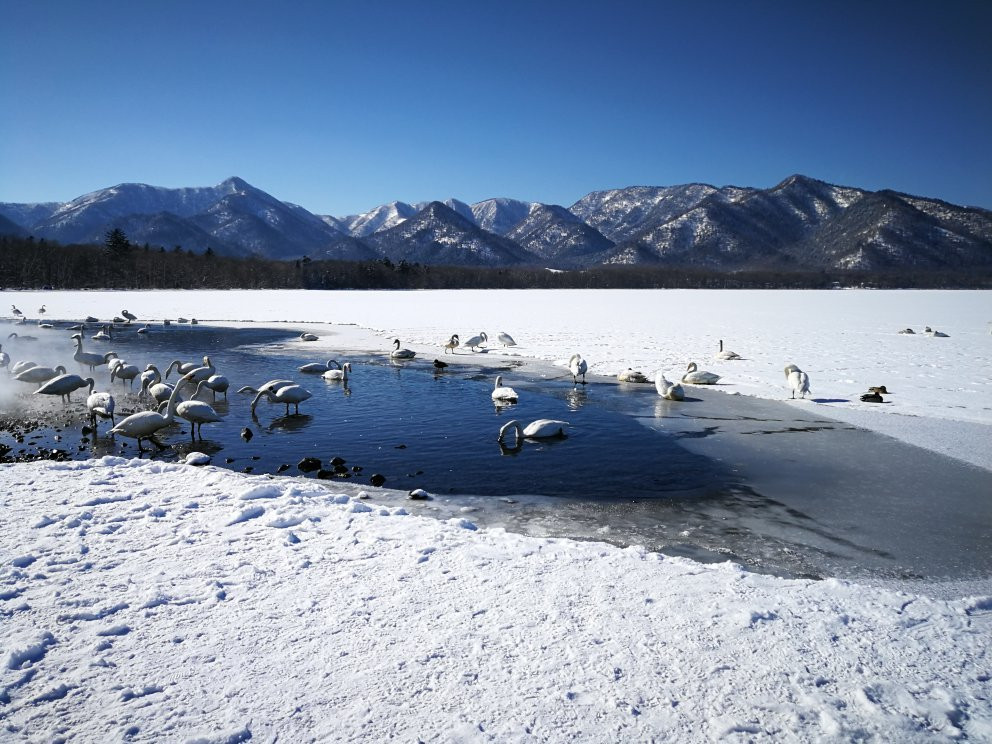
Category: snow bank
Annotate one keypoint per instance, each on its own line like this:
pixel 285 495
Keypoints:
pixel 169 602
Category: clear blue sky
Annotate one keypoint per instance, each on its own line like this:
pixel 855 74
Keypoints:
pixel 340 106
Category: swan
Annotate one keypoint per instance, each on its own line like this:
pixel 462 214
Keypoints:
pixel 632 375
pixel 199 374
pixel 64 385
pixel 797 380
pixel 727 355
pixel 21 338
pixel 452 344
pixel 668 390
pixel 399 353
pixel 539 429
pixel 102 405
pixel 197 413
pixel 577 366
pixel 694 376
pixel 181 319
pixel 17 313
pixel 308 337
pixel 129 316
pixel 18 367
pixel 104 334
pixel 872 398
pixel 145 328
pixel 338 374
pixel 506 339
pixel 216 384
pixel 271 385
pixel 503 394
pixel 89 358
pixel 45 325
pixel 318 368
pixel 4 357
pixel 475 341
pixel 160 391
pixel 181 367
pixel 124 372
pixel 39 374
pixel 144 424
pixel 41 310
pixel 290 394
pixel 936 334
pixel 149 377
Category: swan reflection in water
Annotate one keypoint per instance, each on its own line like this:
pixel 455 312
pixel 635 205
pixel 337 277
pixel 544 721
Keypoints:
pixel 576 398
pixel 293 422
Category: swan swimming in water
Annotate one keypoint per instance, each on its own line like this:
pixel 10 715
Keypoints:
pixel 577 366
pixel 340 374
pixel 539 429
pixel 632 375
pixel 503 394
pixel 476 341
pixel 319 368
pixel 797 380
pixel 65 385
pixel 668 390
pixel 694 376
pixel 399 353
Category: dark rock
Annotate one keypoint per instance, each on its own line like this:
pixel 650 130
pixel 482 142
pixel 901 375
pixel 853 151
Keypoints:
pixel 335 461
pixel 419 494
pixel 309 464
pixel 400 446
pixel 283 468
pixel 325 474
pixel 377 479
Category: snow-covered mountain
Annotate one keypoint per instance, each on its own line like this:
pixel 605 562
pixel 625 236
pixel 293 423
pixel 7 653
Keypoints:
pixel 801 223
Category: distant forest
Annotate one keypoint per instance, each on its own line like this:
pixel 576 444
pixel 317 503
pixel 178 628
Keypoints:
pixel 26 263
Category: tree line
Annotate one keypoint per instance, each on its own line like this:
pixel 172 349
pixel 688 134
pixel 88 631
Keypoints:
pixel 27 263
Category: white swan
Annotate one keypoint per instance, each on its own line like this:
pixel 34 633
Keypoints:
pixel 180 367
pixel 38 374
pixel 195 373
pixel 539 429
pixel 307 336
pixel 503 394
pixel 102 405
pixel 319 368
pixel 149 377
pixel 727 355
pixel 197 413
pixel 797 380
pixel 476 341
pixel 17 367
pixel 64 385
pixel 695 376
pixel 90 358
pixel 338 374
pixel 632 375
pixel 506 339
pixel 290 394
pixel 160 391
pixel 271 385
pixel 216 384
pixel 144 329
pixel 452 344
pixel 4 357
pixel 668 390
pixel 104 334
pixel 145 424
pixel 125 372
pixel 577 366
pixel 399 353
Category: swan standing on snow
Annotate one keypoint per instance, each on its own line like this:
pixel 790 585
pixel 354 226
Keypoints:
pixel 90 358
pixel 399 353
pixel 290 394
pixel 632 375
pixel 668 390
pixel 64 385
pixel 539 429
pixel 727 355
pixel 506 339
pixel 577 366
pixel 145 424
pixel 340 375
pixel 129 316
pixel 102 405
pixel 476 341
pixel 41 311
pixel 503 394
pixel 452 344
pixel 319 368
pixel 307 336
pixel 797 380
pixel 694 376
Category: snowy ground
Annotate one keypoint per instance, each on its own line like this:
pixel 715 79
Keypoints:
pixel 148 601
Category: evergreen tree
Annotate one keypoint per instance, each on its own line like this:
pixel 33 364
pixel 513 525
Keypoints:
pixel 116 242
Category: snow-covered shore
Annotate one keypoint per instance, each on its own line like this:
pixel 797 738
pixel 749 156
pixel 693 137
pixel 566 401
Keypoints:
pixel 145 601
pixel 150 601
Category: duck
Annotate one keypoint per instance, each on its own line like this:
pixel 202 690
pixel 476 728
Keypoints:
pixel 632 375
pixel 39 374
pixel 872 398
pixel 17 313
pixel 727 355
pixel 452 344
pixel 338 375
pixel 694 376
pixel 308 336
pixel 503 394
pixel 319 368
pixel 668 390
pixel 506 339
pixel 290 395
pixel 880 389
pixel 197 413
pixel 538 429
pixel 439 365
pixel 145 424
pixel 907 332
pixel 399 353
pixel 474 342
pixel 577 366
pixel 102 405
pixel 797 380
pixel 65 385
